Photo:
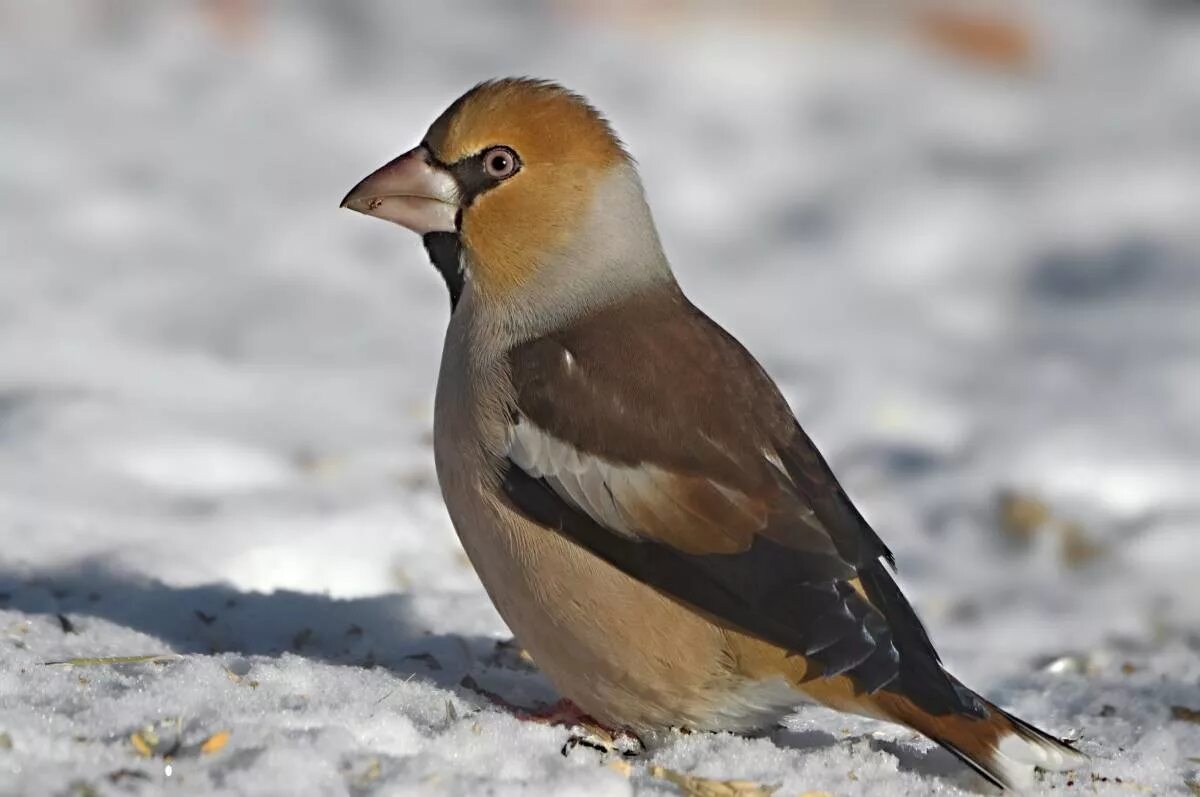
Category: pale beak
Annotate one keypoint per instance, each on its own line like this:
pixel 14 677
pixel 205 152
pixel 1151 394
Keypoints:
pixel 409 191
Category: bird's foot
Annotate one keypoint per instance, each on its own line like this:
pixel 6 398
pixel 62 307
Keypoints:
pixel 605 741
pixel 586 730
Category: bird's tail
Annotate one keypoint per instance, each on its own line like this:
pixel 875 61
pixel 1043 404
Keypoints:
pixel 1002 748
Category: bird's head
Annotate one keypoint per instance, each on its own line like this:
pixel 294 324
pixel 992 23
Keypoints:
pixel 527 184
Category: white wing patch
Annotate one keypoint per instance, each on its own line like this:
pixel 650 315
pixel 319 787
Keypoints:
pixel 632 500
pixel 643 499
pixel 586 481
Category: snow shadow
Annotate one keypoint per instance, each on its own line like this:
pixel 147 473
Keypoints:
pixel 218 618
pixel 911 755
pixel 934 762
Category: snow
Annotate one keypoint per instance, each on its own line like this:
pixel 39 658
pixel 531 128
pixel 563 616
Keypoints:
pixel 215 387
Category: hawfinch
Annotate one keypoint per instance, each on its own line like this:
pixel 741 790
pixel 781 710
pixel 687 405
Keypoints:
pixel 639 501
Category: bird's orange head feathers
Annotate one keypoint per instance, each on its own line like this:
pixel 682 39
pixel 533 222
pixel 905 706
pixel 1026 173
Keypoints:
pixel 544 122
pixel 562 148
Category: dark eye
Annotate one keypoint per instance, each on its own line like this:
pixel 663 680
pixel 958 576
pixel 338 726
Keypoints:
pixel 500 162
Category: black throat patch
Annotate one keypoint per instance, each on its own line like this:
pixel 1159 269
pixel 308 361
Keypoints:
pixel 445 252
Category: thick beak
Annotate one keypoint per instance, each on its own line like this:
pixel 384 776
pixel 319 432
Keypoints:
pixel 409 191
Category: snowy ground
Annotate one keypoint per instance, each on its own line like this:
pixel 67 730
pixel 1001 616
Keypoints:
pixel 215 387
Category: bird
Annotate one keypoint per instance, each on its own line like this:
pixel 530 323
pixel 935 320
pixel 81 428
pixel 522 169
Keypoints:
pixel 633 490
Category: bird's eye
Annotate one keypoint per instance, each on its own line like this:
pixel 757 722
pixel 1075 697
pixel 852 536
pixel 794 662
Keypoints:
pixel 500 162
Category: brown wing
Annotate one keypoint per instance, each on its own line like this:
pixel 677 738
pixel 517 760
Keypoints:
pixel 649 436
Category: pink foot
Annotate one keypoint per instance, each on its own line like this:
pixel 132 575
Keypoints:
pixel 562 712
pixel 596 735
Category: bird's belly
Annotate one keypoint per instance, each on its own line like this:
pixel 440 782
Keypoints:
pixel 623 652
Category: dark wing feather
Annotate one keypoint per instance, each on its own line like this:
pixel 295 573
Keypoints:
pixel 809 618
pixel 921 676
pixel 662 416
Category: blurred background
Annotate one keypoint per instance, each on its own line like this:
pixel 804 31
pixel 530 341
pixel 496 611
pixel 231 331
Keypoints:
pixel 964 237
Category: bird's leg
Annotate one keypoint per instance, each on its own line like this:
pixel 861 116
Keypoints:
pixel 594 734
pixel 562 712
pixel 587 731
